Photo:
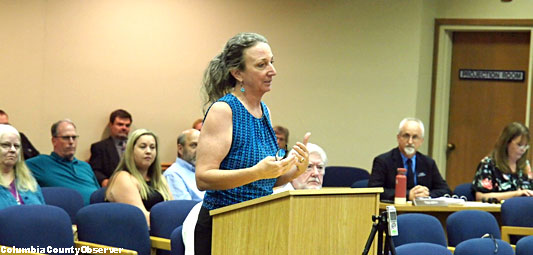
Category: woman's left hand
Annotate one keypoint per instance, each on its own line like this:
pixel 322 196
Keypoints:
pixel 302 154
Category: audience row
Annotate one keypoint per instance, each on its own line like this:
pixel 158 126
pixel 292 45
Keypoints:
pixel 137 178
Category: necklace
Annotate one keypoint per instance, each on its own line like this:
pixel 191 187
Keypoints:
pixel 13 185
pixel 17 197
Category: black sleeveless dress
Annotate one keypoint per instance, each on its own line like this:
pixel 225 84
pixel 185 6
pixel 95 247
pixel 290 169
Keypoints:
pixel 153 198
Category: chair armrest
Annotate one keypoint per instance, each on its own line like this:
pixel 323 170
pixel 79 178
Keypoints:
pixel 103 249
pixel 6 250
pixel 160 243
pixel 511 230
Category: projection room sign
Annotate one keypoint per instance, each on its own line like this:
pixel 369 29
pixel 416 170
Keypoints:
pixel 491 75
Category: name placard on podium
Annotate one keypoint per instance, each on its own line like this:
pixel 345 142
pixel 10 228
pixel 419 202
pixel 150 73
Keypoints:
pixel 325 221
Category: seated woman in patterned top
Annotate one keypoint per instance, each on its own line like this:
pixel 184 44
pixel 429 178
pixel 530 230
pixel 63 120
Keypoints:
pixel 506 172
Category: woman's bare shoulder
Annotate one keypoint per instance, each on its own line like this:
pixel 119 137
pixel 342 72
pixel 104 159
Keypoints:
pixel 125 178
pixel 220 108
pixel 123 183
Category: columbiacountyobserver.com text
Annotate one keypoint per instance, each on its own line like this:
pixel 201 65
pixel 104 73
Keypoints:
pixel 50 250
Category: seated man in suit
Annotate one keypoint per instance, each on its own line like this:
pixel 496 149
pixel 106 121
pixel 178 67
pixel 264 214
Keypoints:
pixel 106 154
pixel 423 177
pixel 61 168
pixel 180 175
pixel 27 148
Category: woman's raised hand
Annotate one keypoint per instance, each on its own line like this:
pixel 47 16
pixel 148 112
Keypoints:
pixel 302 154
pixel 269 167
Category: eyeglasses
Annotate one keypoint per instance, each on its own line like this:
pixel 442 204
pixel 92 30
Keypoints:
pixel 408 136
pixel 281 154
pixel 7 146
pixel 68 137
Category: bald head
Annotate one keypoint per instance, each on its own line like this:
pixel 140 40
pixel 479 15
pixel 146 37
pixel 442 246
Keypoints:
pixel 4 119
pixel 187 142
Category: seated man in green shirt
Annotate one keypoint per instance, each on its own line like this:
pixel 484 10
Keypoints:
pixel 61 168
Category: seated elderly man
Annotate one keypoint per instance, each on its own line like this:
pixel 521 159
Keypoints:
pixel 423 177
pixel 61 168
pixel 314 176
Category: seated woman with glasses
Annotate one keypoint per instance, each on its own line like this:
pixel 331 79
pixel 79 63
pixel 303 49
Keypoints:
pixel 17 185
pixel 137 180
pixel 506 172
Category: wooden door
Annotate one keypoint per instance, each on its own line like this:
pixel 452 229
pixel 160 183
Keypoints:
pixel 479 109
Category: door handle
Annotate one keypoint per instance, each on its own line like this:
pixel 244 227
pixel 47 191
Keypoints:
pixel 450 147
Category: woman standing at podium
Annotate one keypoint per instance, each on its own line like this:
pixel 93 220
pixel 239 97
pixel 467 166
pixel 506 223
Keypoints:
pixel 237 146
pixel 506 172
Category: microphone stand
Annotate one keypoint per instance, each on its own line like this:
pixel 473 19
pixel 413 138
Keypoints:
pixel 380 226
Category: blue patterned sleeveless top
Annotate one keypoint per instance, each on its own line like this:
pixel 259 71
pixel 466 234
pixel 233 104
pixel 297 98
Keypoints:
pixel 252 140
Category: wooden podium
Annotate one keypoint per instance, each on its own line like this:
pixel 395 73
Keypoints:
pixel 326 221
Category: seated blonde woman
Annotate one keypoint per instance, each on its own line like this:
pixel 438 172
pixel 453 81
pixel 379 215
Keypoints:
pixel 137 180
pixel 17 185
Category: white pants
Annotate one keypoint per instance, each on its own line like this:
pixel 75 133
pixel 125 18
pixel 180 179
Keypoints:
pixel 187 232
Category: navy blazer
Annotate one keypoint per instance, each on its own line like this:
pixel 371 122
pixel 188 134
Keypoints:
pixel 384 170
pixel 104 159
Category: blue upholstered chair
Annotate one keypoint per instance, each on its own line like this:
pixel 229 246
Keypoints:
pixel 524 246
pixel 422 249
pixel 98 196
pixel 418 227
pixel 68 199
pixel 360 184
pixel 516 212
pixel 465 190
pixel 114 224
pixel 468 224
pixel 35 225
pixel 176 242
pixel 343 176
pixel 483 246
pixel 167 216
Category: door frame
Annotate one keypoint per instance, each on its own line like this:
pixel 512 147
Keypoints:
pixel 440 81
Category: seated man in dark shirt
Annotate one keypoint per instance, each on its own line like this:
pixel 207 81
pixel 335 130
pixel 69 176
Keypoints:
pixel 423 177
pixel 106 154
pixel 27 148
